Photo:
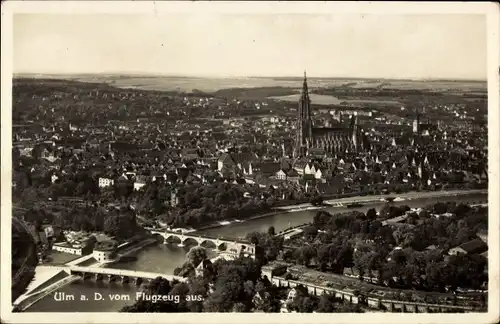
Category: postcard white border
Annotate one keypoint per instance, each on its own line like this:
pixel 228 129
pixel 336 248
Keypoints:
pixel 160 8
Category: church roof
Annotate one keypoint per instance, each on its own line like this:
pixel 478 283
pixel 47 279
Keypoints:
pixel 330 130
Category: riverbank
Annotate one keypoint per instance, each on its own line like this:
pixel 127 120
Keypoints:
pixel 164 258
pixel 130 250
pixel 340 202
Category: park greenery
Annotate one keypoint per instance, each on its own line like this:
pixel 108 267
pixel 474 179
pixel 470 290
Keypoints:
pixel 198 205
pixel 229 286
pixel 409 254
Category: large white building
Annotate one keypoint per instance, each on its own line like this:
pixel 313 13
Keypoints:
pixel 105 182
pixel 64 247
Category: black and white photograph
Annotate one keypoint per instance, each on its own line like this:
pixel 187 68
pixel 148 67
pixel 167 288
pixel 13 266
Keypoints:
pixel 185 159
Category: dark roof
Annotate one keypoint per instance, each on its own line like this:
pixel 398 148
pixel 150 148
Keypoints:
pixel 286 165
pixel 474 246
pixel 308 177
pixel 317 152
pixel 226 159
pixel 190 151
pixel 341 130
pixel 243 157
pixel 326 188
pixel 268 168
pixel 123 146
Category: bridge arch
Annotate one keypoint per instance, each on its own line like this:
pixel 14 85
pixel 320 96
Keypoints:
pixel 190 241
pixel 172 238
pixel 222 246
pixel 209 244
pixel 159 237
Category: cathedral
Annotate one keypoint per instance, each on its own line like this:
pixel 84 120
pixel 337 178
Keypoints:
pixel 336 139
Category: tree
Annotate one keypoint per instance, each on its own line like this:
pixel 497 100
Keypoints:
pixel 385 211
pixel 249 288
pixel 112 225
pixel 345 257
pixel 321 218
pixel 182 290
pixel 239 308
pixel 323 257
pixel 271 231
pixel 219 301
pixel 325 304
pixel 196 255
pixel 158 286
pixel 305 254
pixel 404 235
pixel 464 235
pixel 308 304
pixel 187 270
pixel 317 200
pixel 231 284
pixel 361 260
pixel 310 232
pixel 371 214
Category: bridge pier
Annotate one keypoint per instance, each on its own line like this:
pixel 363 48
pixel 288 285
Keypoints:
pixel 98 277
pixel 138 281
pixel 86 276
pixel 112 278
pixel 125 279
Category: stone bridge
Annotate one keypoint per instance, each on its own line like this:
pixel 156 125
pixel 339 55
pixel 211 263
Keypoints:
pixel 118 275
pixel 236 246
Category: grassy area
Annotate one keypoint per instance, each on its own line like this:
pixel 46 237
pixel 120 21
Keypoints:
pixel 62 258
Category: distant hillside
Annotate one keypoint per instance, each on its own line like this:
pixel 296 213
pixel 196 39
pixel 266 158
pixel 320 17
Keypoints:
pixel 47 86
pixel 255 93
pixel 36 85
pixel 277 86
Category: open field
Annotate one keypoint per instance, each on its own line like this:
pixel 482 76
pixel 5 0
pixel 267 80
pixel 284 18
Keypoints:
pixel 331 100
pixel 473 87
pixel 188 84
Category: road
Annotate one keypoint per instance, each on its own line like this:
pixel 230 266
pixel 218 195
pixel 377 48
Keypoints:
pixel 406 196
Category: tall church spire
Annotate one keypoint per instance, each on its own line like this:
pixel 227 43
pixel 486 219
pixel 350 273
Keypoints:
pixel 304 129
pixel 305 92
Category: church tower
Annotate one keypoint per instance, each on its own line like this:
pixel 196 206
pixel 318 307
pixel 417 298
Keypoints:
pixel 304 122
pixel 416 122
pixel 355 132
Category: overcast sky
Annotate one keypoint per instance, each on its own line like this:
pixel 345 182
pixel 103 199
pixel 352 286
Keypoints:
pixel 340 45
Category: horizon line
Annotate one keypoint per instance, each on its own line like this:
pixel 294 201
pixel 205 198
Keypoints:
pixel 200 76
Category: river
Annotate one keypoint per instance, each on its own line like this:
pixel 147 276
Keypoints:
pixel 164 258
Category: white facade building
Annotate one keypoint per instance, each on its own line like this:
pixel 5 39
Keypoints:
pixel 105 182
pixel 65 248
